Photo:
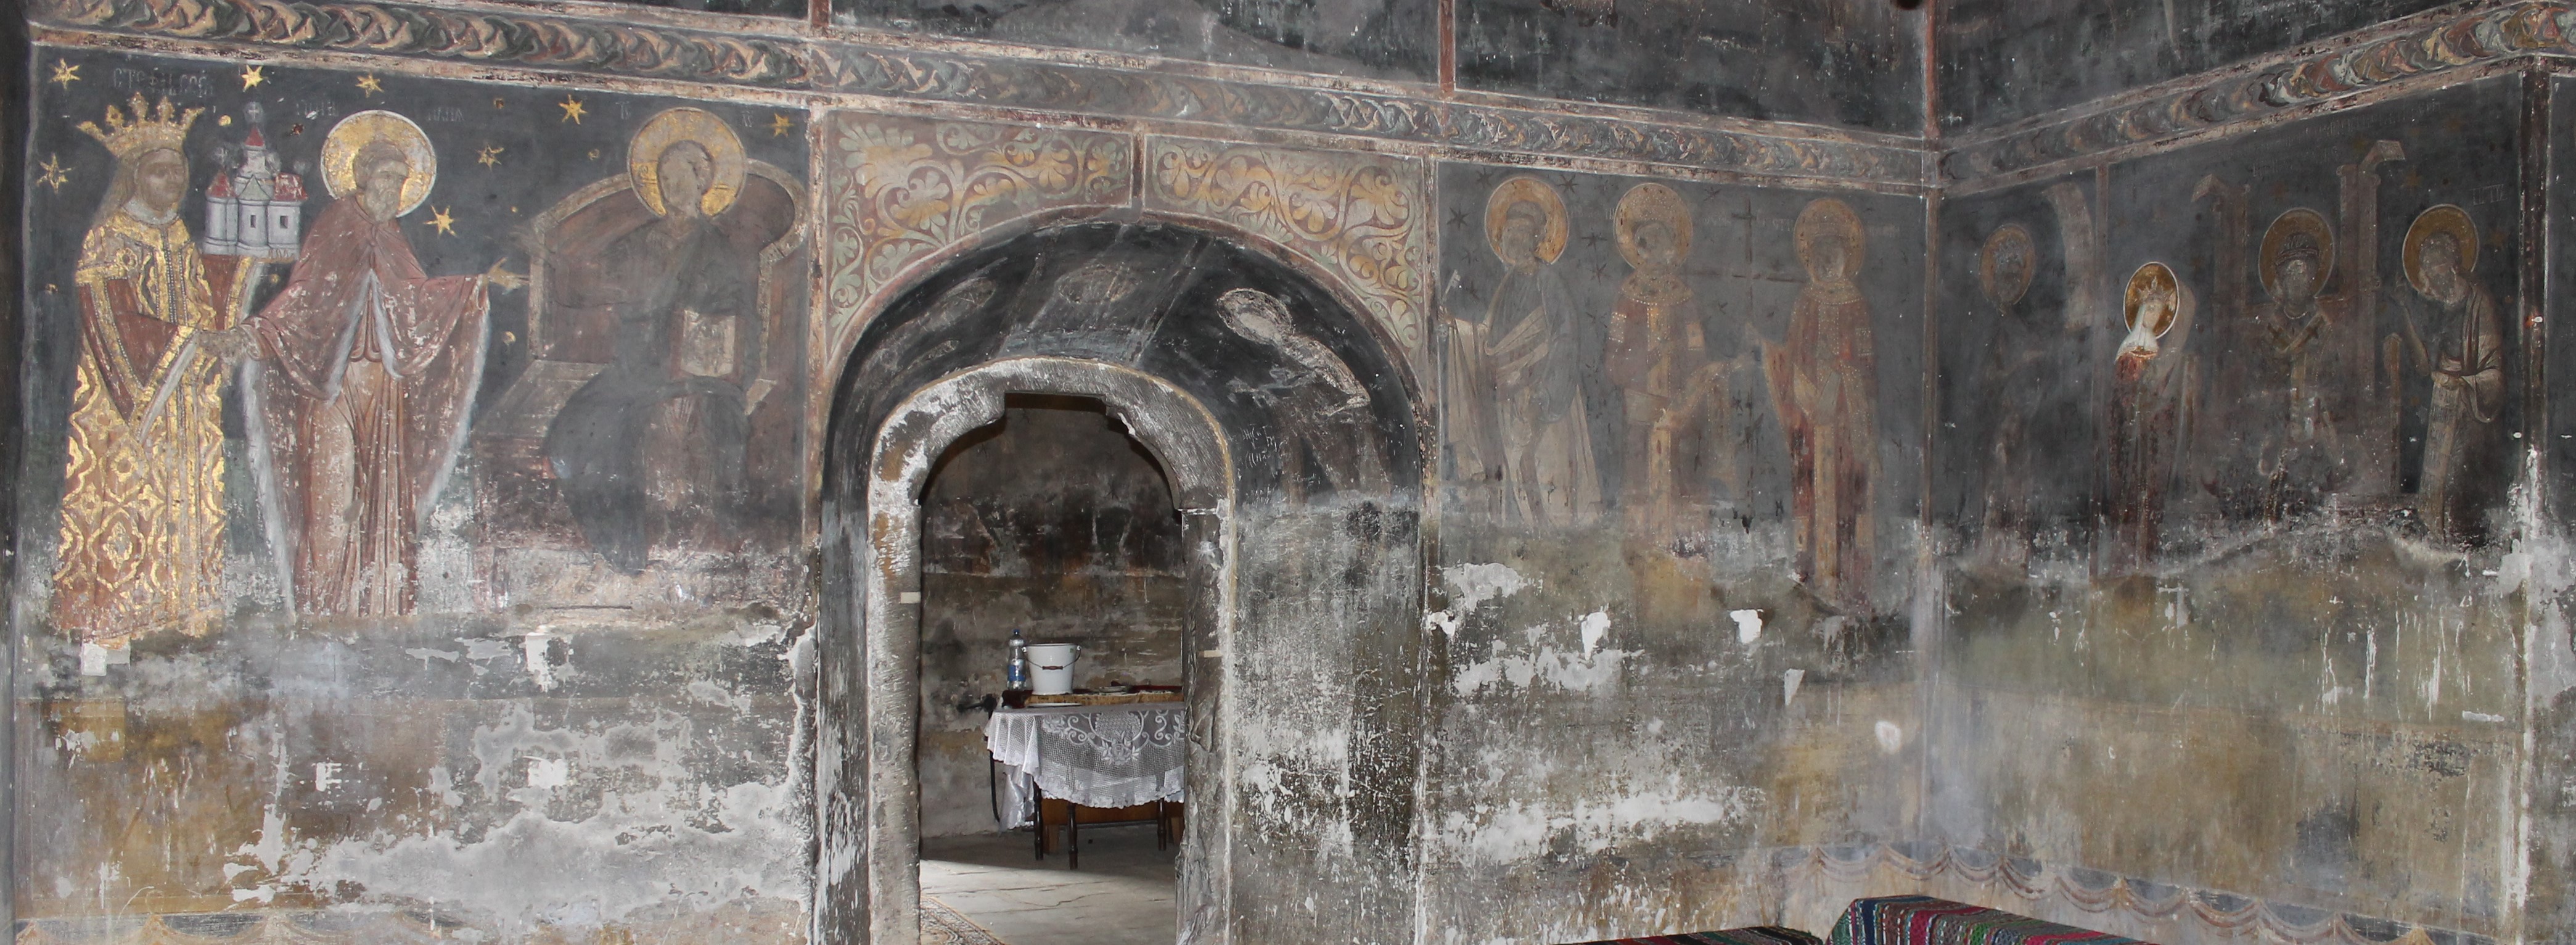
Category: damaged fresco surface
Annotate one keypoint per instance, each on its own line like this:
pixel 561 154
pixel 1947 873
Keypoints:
pixel 1678 461
pixel 418 448
pixel 2272 387
pixel 1848 63
pixel 422 475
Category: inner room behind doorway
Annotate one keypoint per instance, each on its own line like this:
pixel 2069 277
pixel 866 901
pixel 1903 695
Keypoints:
pixel 1055 523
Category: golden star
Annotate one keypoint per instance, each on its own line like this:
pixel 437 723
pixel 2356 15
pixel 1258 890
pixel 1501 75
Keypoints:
pixel 65 74
pixel 252 76
pixel 572 109
pixel 446 225
pixel 779 126
pixel 55 175
pixel 594 154
pixel 490 156
pixel 370 85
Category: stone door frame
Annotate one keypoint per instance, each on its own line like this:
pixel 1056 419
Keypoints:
pixel 1185 438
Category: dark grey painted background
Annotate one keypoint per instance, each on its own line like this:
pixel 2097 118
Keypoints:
pixel 2003 60
pixel 1854 63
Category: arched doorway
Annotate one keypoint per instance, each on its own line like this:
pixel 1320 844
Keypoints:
pixel 1292 446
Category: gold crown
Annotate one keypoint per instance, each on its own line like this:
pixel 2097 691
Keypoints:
pixel 144 131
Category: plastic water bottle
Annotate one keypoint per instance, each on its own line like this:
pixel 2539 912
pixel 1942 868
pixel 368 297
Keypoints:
pixel 1016 675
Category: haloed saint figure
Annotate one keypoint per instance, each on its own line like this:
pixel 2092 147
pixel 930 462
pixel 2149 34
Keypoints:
pixel 2151 411
pixel 1514 375
pixel 2455 344
pixel 1824 383
pixel 651 449
pixel 365 376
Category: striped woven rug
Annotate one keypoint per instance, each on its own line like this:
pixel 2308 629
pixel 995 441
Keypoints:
pixel 1923 920
pixel 1753 935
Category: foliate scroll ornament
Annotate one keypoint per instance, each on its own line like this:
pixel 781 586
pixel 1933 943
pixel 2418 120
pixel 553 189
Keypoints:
pixel 1357 216
pixel 905 188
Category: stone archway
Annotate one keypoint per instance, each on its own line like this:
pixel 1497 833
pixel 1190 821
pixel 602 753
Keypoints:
pixel 1273 411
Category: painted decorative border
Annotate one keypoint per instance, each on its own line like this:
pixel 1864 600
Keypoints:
pixel 605 46
pixel 1359 216
pixel 904 188
pixel 785 62
pixel 2474 38
pixel 2071 894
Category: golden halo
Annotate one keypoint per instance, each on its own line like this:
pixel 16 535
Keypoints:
pixel 1526 189
pixel 2010 237
pixel 644 157
pixel 2153 278
pixel 2293 222
pixel 1831 218
pixel 2447 218
pixel 353 134
pixel 1651 203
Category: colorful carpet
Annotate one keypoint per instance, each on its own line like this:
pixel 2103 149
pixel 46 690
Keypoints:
pixel 1923 920
pixel 1755 935
pixel 941 925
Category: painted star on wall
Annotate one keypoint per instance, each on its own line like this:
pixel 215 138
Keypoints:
pixel 252 76
pixel 571 108
pixel 55 175
pixel 65 74
pixel 369 85
pixel 490 156
pixel 780 125
pixel 441 221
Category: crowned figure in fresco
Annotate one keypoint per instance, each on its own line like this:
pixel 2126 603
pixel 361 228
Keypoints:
pixel 2455 348
pixel 1655 351
pixel 651 450
pixel 1514 374
pixel 143 494
pixel 364 378
pixel 2153 397
pixel 1824 384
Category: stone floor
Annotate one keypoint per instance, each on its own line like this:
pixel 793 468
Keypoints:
pixel 1123 895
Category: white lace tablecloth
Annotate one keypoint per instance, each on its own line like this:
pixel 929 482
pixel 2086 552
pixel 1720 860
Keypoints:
pixel 1093 755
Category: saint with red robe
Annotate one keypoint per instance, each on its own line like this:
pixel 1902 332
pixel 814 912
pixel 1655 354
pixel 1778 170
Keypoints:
pixel 1824 384
pixel 364 380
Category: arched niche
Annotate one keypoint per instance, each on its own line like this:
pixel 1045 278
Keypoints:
pixel 1290 439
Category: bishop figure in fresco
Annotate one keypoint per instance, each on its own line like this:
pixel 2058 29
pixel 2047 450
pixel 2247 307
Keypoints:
pixel 1824 383
pixel 1656 350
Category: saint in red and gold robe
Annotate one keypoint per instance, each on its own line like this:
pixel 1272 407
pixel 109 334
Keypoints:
pixel 1824 383
pixel 366 379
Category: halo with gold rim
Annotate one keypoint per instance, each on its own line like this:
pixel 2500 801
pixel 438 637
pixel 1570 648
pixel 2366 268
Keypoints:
pixel 1831 218
pixel 2152 278
pixel 644 157
pixel 1527 189
pixel 2291 222
pixel 353 134
pixel 2447 218
pixel 2008 237
pixel 1653 203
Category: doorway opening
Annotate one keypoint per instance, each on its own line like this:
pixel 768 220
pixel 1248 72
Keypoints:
pixel 1051 816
